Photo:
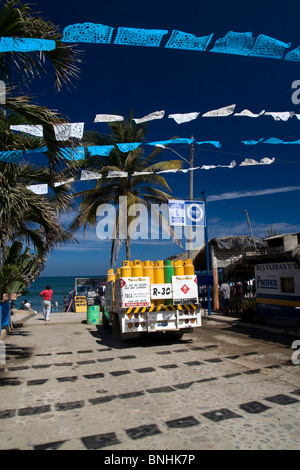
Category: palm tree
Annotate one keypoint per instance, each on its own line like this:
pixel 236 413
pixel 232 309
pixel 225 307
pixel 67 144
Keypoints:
pixel 142 189
pixel 271 232
pixel 27 216
pixel 19 269
pixel 20 110
pixel 17 20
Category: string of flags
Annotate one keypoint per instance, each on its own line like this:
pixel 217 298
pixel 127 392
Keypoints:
pixel 243 44
pixel 9 44
pixel 78 153
pixel 87 175
pixel 65 131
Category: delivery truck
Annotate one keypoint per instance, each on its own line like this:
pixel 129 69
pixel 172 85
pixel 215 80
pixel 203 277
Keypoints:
pixel 149 297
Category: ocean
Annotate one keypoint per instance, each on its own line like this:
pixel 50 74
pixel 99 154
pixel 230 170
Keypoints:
pixel 61 286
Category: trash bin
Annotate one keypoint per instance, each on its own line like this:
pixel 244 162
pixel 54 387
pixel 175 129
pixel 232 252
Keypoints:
pixel 93 315
pixel 6 314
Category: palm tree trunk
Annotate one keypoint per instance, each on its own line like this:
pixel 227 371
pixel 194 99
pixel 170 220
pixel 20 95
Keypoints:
pixel 128 246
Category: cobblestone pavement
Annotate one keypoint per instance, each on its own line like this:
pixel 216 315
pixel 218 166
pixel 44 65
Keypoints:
pixel 72 387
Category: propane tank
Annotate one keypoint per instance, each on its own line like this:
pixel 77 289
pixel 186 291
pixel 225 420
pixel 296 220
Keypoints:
pixel 178 268
pixel 137 269
pixel 159 276
pixel 118 273
pixel 148 271
pixel 189 267
pixel 168 273
pixel 110 275
pixel 126 270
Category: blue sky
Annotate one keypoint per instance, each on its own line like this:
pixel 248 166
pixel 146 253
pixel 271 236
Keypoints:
pixel 116 79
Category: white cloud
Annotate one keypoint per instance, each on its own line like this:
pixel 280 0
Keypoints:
pixel 259 192
pixel 222 228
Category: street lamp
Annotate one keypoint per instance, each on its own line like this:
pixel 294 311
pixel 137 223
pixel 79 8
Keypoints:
pixel 191 188
pixel 191 192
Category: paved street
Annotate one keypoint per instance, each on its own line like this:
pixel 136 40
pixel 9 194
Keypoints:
pixel 72 387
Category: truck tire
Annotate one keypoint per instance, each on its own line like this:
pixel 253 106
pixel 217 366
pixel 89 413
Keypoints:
pixel 105 322
pixel 116 330
pixel 176 334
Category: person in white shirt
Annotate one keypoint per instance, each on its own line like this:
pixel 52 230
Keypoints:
pixel 225 289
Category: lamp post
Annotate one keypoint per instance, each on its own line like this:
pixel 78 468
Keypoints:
pixel 191 179
pixel 207 254
pixel 191 195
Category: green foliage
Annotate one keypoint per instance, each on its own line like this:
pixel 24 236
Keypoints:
pixel 144 189
pixel 25 217
pixel 18 20
pixel 19 269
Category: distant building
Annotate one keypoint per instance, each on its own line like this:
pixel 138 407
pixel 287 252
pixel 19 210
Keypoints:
pixel 283 243
pixel 277 277
pixel 274 266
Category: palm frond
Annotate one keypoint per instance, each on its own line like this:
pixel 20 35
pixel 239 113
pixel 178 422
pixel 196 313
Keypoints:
pixel 144 188
pixel 18 20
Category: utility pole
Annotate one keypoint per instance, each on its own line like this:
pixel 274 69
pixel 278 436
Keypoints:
pixel 250 226
pixel 207 254
pixel 191 189
pixel 249 223
pixel 191 172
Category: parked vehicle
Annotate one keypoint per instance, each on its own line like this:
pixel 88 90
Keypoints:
pixel 134 305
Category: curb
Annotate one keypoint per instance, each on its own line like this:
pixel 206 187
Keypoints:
pixel 3 334
pixel 19 323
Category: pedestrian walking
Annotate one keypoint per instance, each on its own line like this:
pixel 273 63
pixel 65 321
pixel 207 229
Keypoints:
pixel 66 303
pixel 101 292
pixel 47 296
pixel 225 290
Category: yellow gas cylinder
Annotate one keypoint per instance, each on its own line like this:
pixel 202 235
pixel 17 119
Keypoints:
pixel 148 271
pixel 110 275
pixel 178 268
pixel 189 267
pixel 137 269
pixel 118 273
pixel 126 270
pixel 159 276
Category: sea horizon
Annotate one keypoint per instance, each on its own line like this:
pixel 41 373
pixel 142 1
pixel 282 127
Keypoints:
pixel 61 286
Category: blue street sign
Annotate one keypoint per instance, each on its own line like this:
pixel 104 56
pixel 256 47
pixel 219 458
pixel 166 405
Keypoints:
pixel 187 213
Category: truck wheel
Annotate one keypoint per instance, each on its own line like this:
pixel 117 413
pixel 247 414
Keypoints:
pixel 116 329
pixel 176 334
pixel 105 322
